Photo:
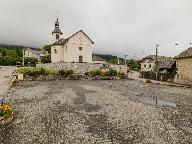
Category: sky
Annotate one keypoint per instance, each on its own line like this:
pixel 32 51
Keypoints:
pixel 118 27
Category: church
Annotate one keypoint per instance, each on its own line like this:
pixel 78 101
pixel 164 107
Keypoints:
pixel 76 48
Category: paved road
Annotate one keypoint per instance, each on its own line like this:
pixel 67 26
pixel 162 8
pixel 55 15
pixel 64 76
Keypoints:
pixel 5 77
pixel 99 112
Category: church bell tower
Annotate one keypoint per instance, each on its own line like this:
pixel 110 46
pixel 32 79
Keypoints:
pixel 57 32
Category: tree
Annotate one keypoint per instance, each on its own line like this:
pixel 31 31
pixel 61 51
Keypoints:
pixel 46 59
pixel 3 53
pixel 38 49
pixel 132 64
pixel 31 61
pixel 47 48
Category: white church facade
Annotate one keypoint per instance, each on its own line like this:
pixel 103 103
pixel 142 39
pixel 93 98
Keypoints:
pixel 76 48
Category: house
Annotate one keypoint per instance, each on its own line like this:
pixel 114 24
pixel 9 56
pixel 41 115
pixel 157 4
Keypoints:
pixel 97 59
pixel 34 53
pixel 76 48
pixel 184 65
pixel 165 64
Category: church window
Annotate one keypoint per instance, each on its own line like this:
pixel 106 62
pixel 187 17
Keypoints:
pixel 57 36
pixel 80 48
pixel 55 50
pixel 66 49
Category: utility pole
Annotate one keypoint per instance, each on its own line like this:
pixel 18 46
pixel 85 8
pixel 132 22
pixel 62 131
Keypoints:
pixel 156 59
pixel 23 57
pixel 126 59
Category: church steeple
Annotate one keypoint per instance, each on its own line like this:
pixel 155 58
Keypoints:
pixel 57 32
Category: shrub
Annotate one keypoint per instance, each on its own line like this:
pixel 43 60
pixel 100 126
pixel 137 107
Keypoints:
pixel 148 81
pixel 31 71
pixel 66 73
pixel 96 72
pixel 111 72
pixel 51 72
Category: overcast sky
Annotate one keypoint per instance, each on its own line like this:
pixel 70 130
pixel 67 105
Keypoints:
pixel 116 26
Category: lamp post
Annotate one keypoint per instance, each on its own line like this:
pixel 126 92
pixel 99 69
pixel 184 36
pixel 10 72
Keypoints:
pixel 126 59
pixel 23 57
pixel 156 59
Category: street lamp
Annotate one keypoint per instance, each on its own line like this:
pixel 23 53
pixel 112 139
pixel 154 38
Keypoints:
pixel 157 46
pixel 23 57
pixel 126 59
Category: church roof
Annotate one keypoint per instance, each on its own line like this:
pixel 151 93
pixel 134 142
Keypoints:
pixel 63 41
pixel 57 30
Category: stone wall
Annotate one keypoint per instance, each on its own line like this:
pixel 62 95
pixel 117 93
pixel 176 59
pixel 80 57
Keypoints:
pixel 80 67
pixel 184 69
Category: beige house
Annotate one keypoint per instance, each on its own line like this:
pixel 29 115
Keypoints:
pixel 165 64
pixel 184 65
pixel 34 53
pixel 76 48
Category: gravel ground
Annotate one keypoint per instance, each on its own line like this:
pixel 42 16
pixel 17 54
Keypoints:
pixel 103 112
pixel 5 77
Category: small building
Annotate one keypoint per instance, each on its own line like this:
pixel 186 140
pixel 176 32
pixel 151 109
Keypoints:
pixel 76 48
pixel 34 53
pixel 165 64
pixel 184 65
pixel 97 59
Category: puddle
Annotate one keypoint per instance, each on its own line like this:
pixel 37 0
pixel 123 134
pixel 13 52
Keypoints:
pixel 158 102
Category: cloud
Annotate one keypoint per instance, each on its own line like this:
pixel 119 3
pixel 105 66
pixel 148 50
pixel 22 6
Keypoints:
pixel 116 26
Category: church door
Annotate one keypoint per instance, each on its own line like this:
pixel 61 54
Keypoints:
pixel 80 59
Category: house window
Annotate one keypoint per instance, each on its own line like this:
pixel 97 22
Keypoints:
pixel 80 48
pixel 57 36
pixel 55 50
pixel 149 65
pixel 145 65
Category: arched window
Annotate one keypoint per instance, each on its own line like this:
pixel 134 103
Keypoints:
pixel 55 50
pixel 57 36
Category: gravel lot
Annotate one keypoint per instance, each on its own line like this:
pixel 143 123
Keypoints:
pixel 103 112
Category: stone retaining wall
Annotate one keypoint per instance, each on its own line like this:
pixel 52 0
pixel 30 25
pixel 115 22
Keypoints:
pixel 80 67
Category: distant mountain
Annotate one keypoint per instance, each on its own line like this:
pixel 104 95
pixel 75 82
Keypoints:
pixel 106 57
pixel 13 46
